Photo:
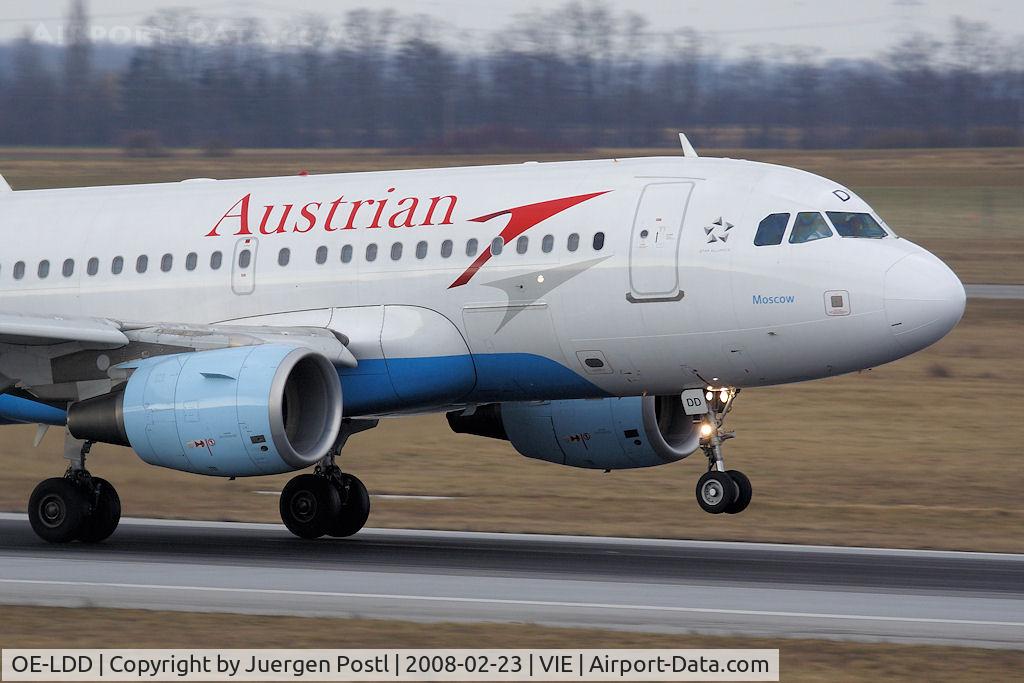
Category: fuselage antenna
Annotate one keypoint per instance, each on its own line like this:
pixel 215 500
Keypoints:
pixel 688 150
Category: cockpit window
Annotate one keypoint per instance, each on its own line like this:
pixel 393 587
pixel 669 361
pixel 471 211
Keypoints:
pixel 809 226
pixel 856 224
pixel 771 230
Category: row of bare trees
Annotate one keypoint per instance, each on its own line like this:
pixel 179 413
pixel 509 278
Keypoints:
pixel 579 76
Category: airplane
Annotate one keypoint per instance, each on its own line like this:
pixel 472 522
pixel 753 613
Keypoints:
pixel 598 314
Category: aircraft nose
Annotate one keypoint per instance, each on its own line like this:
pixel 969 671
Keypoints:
pixel 924 300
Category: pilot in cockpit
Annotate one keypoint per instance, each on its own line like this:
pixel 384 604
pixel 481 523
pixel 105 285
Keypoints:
pixel 809 226
pixel 856 226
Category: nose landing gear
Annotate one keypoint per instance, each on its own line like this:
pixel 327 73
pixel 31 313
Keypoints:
pixel 77 506
pixel 720 490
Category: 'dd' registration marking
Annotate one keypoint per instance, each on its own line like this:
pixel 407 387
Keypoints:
pixel 694 403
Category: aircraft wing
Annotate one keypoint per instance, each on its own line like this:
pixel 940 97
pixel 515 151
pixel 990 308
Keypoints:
pixel 34 330
pixel 61 358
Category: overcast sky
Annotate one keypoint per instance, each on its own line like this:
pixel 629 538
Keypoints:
pixel 833 28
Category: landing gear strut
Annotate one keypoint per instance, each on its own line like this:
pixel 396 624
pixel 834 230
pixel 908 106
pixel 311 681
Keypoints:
pixel 720 490
pixel 328 502
pixel 77 506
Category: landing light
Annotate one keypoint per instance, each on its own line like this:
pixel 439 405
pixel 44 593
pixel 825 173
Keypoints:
pixel 724 395
pixel 540 278
pixel 709 395
pixel 706 429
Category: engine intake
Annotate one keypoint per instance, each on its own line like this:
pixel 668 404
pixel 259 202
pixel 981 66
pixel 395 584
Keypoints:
pixel 228 412
pixel 609 433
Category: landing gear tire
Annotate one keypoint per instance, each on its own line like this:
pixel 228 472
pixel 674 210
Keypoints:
pixel 355 507
pixel 746 491
pixel 57 510
pixel 105 514
pixel 716 492
pixel 309 505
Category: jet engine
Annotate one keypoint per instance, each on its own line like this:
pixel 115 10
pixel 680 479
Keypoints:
pixel 242 411
pixel 607 434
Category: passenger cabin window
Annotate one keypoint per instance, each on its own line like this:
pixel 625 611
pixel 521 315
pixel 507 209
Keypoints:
pixel 421 250
pixel 771 229
pixel 346 253
pixel 522 244
pixel 141 264
pixel 856 225
pixel 396 251
pixel 284 256
pixel 166 263
pixel 598 241
pixel 371 252
pixel 809 226
pixel 68 268
pixel 471 247
pixel 44 269
pixel 497 245
pixel 547 244
pixel 117 265
pixel 446 248
pixel 216 259
pixel 93 266
pixel 574 242
pixel 19 270
pixel 321 255
pixel 191 261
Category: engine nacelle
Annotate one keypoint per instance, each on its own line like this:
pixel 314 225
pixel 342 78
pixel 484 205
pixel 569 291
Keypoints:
pixel 607 434
pixel 231 412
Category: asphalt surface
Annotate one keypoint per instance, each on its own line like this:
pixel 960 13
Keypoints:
pixel 994 291
pixel 634 584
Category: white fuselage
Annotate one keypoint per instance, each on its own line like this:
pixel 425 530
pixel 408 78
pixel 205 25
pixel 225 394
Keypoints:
pixel 659 306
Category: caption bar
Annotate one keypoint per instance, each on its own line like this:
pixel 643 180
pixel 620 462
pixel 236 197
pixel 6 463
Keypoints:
pixel 390 665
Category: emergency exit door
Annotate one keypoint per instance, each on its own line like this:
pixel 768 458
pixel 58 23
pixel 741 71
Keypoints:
pixel 654 244
pixel 243 266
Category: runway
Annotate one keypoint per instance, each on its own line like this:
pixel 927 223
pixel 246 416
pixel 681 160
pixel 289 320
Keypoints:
pixel 994 291
pixel 770 590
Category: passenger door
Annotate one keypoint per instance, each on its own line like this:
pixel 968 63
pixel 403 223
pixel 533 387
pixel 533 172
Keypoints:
pixel 654 243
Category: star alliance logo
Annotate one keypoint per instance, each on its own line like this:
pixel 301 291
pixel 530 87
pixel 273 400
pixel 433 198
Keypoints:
pixel 718 231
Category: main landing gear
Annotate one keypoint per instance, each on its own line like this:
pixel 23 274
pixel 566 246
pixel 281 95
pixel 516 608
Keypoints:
pixel 77 506
pixel 327 502
pixel 720 490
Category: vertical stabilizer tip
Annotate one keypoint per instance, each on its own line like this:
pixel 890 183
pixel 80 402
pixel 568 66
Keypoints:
pixel 688 150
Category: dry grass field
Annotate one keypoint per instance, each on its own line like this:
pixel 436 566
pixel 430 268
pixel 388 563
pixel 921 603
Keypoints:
pixel 925 452
pixel 800 660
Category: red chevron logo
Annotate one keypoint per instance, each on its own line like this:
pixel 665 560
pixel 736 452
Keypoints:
pixel 521 219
